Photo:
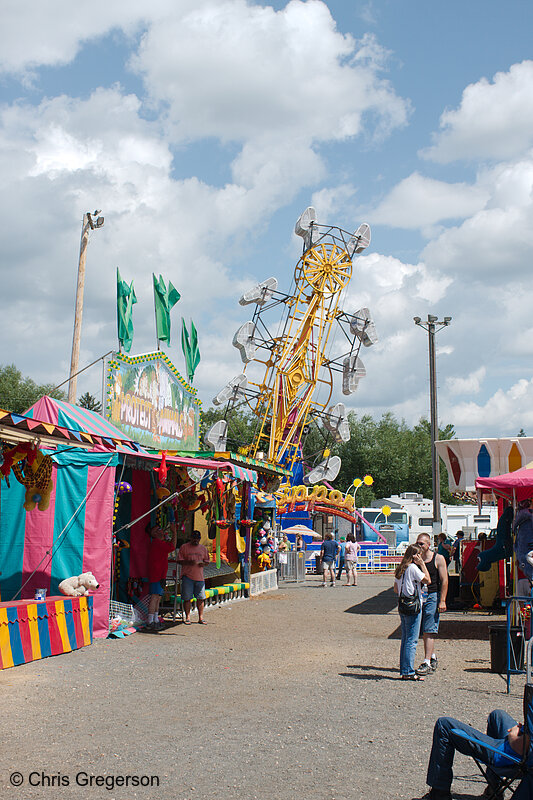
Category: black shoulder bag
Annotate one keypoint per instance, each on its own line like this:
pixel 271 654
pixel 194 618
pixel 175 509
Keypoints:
pixel 408 604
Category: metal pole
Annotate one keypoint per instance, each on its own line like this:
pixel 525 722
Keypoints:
pixel 88 225
pixel 431 327
pixel 434 428
pixel 78 314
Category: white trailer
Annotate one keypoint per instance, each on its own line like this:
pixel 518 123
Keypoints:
pixel 454 518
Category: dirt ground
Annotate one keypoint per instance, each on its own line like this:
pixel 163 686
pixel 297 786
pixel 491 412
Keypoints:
pixel 291 695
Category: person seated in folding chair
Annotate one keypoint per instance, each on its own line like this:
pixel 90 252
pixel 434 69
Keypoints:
pixel 505 750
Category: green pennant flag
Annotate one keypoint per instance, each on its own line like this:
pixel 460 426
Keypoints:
pixel 189 345
pixel 164 299
pixel 125 301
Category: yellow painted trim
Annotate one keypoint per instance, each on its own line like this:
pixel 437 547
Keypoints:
pixel 62 625
pixel 34 632
pixel 5 641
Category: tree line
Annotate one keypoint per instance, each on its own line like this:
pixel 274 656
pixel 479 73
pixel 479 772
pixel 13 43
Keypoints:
pixel 18 393
pixel 397 456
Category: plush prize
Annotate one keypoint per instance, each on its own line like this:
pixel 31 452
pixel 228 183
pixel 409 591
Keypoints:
pixel 264 561
pixel 78 585
pixel 36 477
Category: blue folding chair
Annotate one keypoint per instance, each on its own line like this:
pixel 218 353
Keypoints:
pixel 520 769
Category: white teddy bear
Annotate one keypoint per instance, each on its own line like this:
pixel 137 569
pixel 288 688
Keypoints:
pixel 78 584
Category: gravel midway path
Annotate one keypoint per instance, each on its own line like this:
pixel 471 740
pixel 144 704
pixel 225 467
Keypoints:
pixel 294 694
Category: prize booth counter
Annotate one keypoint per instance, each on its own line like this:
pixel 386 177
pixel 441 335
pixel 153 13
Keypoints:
pixel 30 629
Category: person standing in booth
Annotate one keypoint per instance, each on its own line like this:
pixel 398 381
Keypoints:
pixel 193 556
pixel 161 545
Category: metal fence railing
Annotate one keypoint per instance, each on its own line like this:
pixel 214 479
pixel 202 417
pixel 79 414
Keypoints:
pixel 291 566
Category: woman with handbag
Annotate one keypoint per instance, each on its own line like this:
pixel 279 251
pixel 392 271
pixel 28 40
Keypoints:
pixel 408 580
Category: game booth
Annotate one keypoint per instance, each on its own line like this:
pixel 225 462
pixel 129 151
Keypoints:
pixel 55 501
pixel 101 494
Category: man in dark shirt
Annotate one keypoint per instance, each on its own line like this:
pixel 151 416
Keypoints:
pixel 433 603
pixel 328 553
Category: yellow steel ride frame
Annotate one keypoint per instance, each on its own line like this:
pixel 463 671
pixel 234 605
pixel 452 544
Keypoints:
pixel 296 364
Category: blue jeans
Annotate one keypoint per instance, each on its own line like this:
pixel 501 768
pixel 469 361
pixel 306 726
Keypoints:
pixel 445 743
pixel 410 633
pixel 430 613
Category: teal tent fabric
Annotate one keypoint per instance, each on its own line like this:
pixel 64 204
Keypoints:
pixel 67 559
pixel 12 534
pixel 76 457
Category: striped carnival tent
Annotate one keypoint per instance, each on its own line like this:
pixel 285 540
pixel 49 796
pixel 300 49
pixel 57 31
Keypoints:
pixel 85 425
pixel 38 549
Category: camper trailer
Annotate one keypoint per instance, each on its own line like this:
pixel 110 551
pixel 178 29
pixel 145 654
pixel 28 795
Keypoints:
pixel 419 512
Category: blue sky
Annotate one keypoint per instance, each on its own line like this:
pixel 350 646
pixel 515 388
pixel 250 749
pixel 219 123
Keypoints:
pixel 203 128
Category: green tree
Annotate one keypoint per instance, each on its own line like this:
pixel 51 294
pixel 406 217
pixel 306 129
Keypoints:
pixel 397 457
pixel 18 393
pixel 521 433
pixel 241 426
pixel 90 402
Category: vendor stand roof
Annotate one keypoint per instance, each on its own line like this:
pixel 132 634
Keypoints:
pixel 514 486
pixel 238 460
pixel 15 428
pixel 72 424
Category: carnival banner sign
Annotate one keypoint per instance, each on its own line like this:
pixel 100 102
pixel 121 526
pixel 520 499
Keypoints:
pixel 148 399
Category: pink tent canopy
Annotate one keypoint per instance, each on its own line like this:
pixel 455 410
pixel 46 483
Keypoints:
pixel 516 485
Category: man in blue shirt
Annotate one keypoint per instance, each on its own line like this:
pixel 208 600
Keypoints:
pixel 503 733
pixel 328 553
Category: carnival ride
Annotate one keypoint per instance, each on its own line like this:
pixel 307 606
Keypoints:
pixel 288 378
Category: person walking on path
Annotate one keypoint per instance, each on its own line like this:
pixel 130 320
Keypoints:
pixel 433 603
pixel 444 548
pixel 193 556
pixel 456 551
pixel 328 554
pixel 408 579
pixel 351 550
pixel 342 546
pixel 161 545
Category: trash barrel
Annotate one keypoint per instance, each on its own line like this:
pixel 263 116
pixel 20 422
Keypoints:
pixel 498 648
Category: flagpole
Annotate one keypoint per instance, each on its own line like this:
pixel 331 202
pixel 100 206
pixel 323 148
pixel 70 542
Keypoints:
pixel 155 314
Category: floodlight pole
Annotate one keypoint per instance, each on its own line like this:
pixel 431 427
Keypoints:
pixel 432 326
pixel 87 226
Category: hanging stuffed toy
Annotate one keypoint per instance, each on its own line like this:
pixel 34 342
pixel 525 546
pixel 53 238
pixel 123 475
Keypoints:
pixel 37 479
pixel 162 469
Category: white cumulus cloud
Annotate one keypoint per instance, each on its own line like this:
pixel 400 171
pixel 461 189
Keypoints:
pixel 418 201
pixel 493 121
pixel 469 384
